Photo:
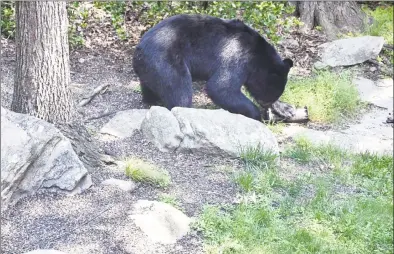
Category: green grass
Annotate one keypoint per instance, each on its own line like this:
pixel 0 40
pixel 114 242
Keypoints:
pixel 330 97
pixel 304 151
pixel 382 25
pixel 142 171
pixel 169 199
pixel 258 156
pixel 383 22
pixel 347 209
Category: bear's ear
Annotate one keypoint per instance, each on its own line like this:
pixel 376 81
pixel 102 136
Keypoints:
pixel 289 62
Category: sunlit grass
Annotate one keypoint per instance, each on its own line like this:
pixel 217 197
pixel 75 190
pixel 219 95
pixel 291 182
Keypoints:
pixel 347 209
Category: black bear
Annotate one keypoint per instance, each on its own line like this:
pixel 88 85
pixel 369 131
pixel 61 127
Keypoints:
pixel 225 53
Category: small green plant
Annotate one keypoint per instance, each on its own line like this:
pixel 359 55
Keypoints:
pixel 137 89
pixel 318 28
pixel 117 10
pixel 76 25
pixel 245 180
pixel 169 199
pixel 330 97
pixel 142 171
pixel 7 21
pixel 383 18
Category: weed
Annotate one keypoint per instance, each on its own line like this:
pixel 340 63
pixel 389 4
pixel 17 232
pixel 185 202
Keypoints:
pixel 383 18
pixel 258 156
pixel 142 171
pixel 169 199
pixel 7 21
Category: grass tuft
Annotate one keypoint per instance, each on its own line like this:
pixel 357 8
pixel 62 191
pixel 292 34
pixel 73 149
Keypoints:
pixel 330 97
pixel 304 151
pixel 258 157
pixel 142 171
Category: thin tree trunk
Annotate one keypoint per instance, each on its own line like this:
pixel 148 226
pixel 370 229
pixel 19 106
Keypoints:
pixel 42 61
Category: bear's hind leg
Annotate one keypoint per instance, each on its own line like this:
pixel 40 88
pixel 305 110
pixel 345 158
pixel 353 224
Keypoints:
pixel 176 87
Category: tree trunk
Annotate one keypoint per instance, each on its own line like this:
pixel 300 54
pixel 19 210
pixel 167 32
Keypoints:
pixel 334 17
pixel 42 61
pixel 42 75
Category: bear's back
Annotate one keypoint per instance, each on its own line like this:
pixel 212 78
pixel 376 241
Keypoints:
pixel 205 29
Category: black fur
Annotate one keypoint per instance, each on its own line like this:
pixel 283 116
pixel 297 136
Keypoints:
pixel 225 53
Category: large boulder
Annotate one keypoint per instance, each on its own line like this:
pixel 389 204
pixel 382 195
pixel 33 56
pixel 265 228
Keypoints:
pixel 206 131
pixel 350 51
pixel 36 156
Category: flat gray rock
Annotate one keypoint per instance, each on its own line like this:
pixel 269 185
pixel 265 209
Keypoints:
pixel 379 93
pixel 355 139
pixel 127 186
pixel 37 156
pixel 125 123
pixel 350 51
pixel 160 222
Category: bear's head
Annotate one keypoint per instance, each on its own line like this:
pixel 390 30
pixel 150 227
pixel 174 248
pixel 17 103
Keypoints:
pixel 272 83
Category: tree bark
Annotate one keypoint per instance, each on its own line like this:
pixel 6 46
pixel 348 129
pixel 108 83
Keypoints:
pixel 42 75
pixel 42 61
pixel 334 17
pixel 83 145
